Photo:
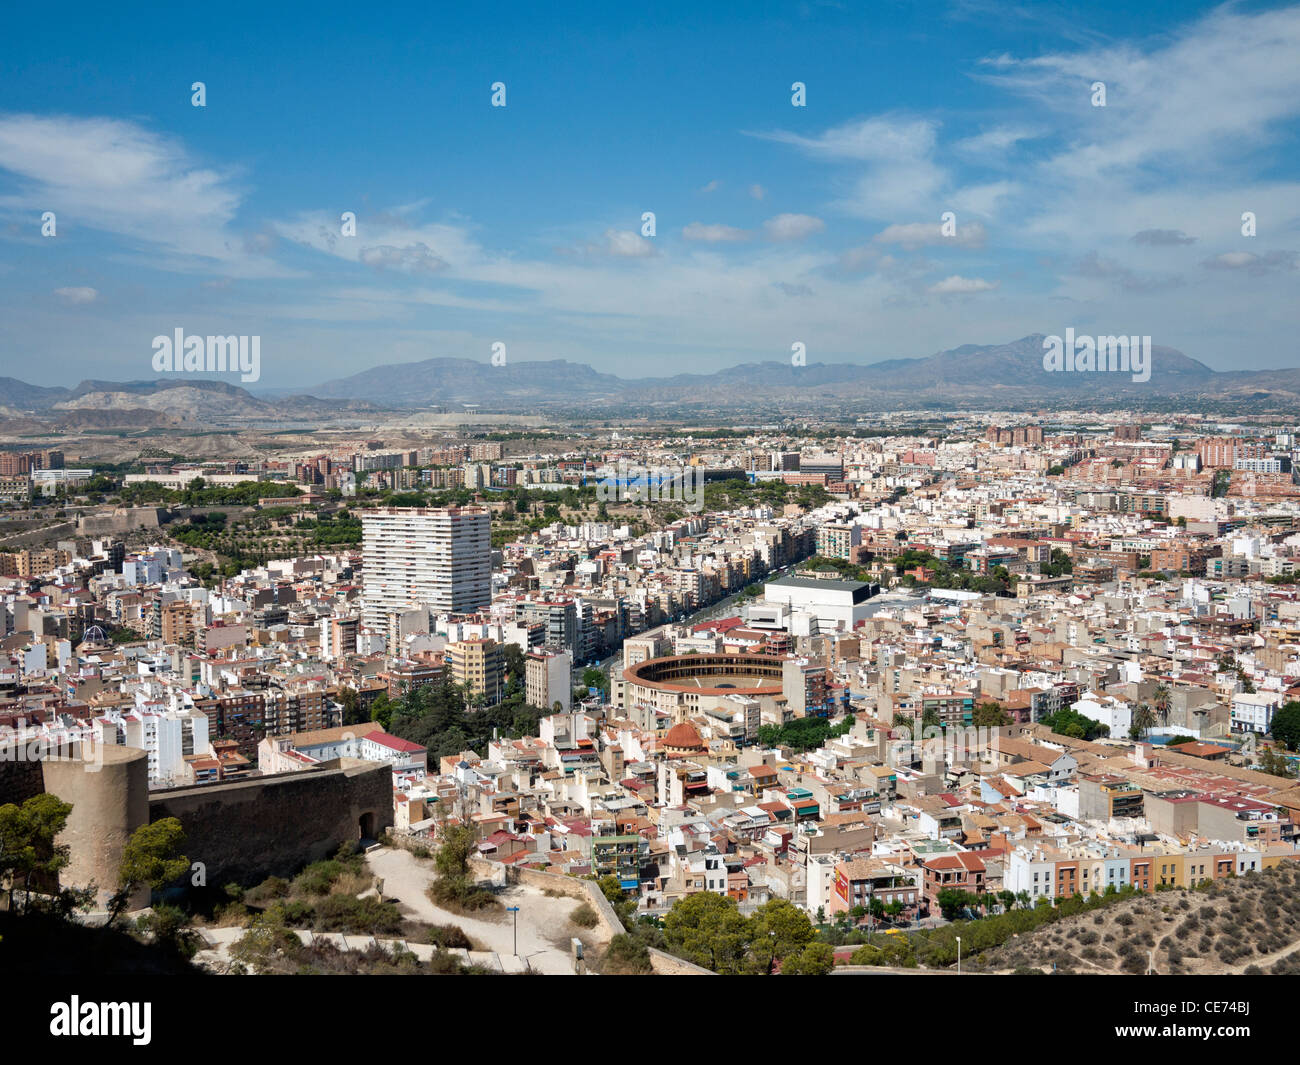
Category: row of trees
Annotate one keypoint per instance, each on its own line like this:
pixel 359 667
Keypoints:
pixel 804 733
pixel 937 947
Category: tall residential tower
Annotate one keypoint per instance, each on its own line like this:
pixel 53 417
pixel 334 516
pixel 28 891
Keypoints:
pixel 421 557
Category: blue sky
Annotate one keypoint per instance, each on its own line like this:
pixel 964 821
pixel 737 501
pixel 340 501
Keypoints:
pixel 775 224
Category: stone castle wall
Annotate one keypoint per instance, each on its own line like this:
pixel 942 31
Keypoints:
pixel 241 831
pixel 245 831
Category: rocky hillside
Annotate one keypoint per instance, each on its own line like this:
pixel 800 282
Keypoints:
pixel 1248 924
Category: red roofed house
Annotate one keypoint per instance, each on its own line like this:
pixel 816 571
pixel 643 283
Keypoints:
pixel 960 872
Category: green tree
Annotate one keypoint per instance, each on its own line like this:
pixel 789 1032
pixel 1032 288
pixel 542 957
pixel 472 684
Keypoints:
pixel 1069 722
pixel 1160 700
pixel 27 849
pixel 952 902
pixel 152 857
pixel 351 703
pixel 382 710
pixel 171 928
pixel 1275 763
pixel 708 929
pixel 778 930
pixel 1286 725
pixel 1143 721
pixel 455 885
pixel 452 858
pixel 990 715
pixel 816 959
pixel 515 663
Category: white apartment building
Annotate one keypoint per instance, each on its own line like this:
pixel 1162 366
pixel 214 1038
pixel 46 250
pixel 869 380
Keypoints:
pixel 1115 714
pixel 167 736
pixel 1031 869
pixel 440 559
pixel 1253 711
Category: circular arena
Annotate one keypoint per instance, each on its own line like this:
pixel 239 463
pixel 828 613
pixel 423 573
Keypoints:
pixel 677 682
pixel 709 674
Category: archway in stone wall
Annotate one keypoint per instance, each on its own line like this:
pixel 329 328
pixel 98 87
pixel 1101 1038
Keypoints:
pixel 368 825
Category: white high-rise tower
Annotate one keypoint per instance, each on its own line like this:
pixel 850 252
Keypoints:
pixel 421 557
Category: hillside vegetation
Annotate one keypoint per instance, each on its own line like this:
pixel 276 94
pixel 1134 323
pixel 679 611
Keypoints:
pixel 1248 924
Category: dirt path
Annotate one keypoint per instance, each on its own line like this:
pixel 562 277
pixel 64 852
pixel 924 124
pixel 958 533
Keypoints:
pixel 1266 960
pixel 544 925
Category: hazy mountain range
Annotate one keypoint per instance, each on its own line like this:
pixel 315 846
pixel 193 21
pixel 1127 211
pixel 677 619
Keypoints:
pixel 979 375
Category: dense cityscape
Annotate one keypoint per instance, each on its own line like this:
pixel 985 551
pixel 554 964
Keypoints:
pixel 786 489
pixel 987 675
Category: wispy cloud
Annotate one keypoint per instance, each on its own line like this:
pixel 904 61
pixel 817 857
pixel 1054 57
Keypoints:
pixel 961 286
pixel 1268 263
pixel 912 235
pixel 117 177
pixel 714 233
pixel 792 226
pixel 77 294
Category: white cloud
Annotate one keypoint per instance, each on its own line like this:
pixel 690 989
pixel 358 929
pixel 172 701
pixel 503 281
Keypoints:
pixel 757 192
pixel 412 258
pixel 866 140
pixel 957 285
pixel 898 157
pixel 1269 262
pixel 714 233
pixel 983 201
pixel 792 226
pixel 624 244
pixel 913 235
pixel 77 295
pixel 996 140
pixel 1219 84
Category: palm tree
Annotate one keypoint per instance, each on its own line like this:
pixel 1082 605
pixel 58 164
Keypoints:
pixel 1143 721
pixel 1160 699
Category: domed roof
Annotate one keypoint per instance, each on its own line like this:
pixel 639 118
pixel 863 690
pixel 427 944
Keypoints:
pixel 684 736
